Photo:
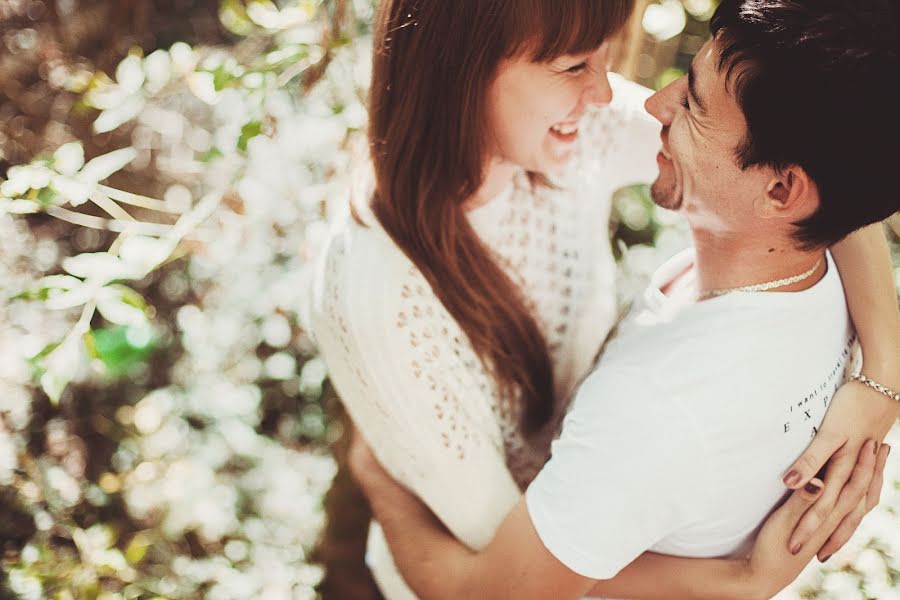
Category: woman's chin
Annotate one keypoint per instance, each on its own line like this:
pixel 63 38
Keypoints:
pixel 556 160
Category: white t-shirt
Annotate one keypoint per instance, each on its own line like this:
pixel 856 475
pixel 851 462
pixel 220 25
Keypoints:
pixel 678 441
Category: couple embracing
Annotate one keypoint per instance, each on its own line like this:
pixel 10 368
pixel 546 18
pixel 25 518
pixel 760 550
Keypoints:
pixel 462 310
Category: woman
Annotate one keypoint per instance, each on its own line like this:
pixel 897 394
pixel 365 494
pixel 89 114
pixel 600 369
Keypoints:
pixel 460 313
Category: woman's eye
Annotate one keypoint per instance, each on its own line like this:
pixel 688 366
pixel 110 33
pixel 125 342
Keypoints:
pixel 577 68
pixel 684 101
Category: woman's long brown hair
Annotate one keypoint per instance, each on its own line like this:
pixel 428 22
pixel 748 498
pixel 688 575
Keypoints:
pixel 433 63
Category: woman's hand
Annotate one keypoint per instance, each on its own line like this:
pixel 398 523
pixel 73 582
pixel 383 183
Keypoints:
pixel 856 414
pixel 771 566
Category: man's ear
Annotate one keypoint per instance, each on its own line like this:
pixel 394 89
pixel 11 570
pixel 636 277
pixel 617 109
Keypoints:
pixel 791 193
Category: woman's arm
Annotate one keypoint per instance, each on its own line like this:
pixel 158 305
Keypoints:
pixel 857 413
pixel 864 262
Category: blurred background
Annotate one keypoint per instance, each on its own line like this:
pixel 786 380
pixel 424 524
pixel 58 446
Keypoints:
pixel 169 170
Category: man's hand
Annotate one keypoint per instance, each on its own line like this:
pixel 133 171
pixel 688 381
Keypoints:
pixel 361 459
pixel 372 477
pixel 379 487
pixel 856 414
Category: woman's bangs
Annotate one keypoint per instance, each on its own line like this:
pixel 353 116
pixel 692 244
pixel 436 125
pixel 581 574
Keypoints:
pixel 562 27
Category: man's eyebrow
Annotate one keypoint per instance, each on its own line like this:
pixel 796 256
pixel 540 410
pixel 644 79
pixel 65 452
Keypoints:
pixel 692 88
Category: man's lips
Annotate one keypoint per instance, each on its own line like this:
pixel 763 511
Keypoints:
pixel 664 160
pixel 664 141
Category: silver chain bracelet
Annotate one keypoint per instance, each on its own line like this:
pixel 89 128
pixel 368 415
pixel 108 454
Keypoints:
pixel 876 386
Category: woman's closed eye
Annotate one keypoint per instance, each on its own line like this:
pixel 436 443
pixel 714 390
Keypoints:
pixel 577 68
pixel 684 101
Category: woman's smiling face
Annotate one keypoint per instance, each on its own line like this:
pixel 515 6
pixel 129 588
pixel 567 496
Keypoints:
pixel 534 108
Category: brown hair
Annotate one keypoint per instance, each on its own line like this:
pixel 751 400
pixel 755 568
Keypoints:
pixel 433 63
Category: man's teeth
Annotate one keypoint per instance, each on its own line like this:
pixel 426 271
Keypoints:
pixel 565 129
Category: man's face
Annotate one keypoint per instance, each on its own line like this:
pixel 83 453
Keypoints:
pixel 698 168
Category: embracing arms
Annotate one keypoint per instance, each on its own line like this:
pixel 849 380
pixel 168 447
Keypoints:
pixel 857 413
pixel 516 564
pixel 864 263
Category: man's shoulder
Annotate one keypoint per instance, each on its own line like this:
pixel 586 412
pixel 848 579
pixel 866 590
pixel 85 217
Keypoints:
pixel 620 392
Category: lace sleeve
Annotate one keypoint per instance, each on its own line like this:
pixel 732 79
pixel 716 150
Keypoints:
pixel 413 385
pixel 621 140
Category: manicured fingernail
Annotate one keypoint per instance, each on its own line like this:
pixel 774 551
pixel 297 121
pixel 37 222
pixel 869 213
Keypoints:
pixel 813 487
pixel 792 478
pixel 825 560
pixel 796 548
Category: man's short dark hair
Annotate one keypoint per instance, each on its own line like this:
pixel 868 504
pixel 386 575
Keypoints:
pixel 817 82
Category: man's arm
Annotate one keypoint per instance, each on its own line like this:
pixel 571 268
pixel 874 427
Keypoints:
pixel 517 565
pixel 437 566
pixel 857 413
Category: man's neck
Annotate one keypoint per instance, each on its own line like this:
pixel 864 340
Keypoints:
pixel 726 262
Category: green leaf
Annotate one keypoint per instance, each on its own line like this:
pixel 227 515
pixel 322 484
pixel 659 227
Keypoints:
pixel 90 344
pixel 129 296
pixel 121 348
pixel 46 197
pixel 249 131
pixel 38 358
pixel 668 76
pixel 211 155
pixel 222 78
pixel 137 549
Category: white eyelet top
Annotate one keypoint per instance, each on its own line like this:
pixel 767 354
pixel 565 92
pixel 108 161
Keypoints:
pixel 407 373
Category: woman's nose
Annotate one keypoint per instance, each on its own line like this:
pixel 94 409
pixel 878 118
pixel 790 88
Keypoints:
pixel 599 91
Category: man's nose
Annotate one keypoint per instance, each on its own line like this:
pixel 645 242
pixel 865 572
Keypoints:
pixel 664 104
pixel 599 91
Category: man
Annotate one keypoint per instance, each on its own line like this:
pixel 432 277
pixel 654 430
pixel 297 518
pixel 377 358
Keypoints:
pixel 722 374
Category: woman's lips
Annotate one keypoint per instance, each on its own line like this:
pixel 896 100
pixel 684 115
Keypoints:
pixel 565 132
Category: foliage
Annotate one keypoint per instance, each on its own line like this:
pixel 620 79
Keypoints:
pixel 161 427
pixel 173 448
